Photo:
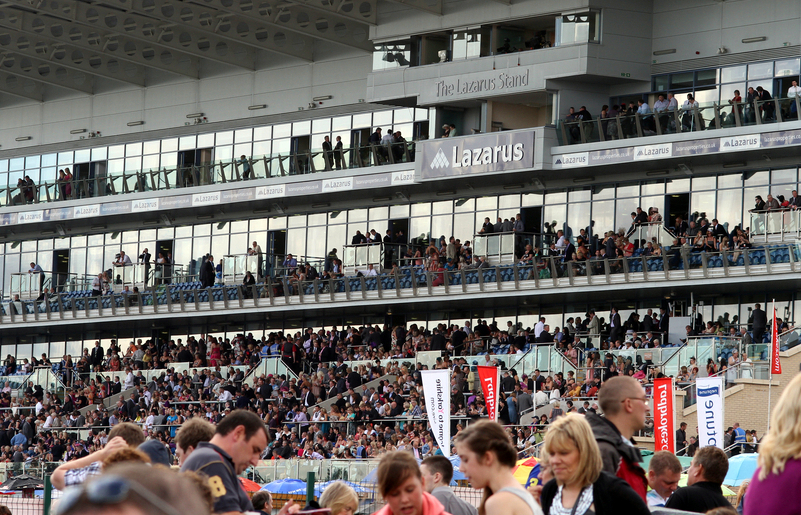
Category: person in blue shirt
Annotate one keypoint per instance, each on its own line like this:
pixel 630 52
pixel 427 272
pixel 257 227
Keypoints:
pixel 265 351
pixel 739 439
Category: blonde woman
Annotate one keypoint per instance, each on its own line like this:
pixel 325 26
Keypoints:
pixel 774 487
pixel 581 486
pixel 340 499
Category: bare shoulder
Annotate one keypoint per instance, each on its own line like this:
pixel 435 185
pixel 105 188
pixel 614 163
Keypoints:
pixel 507 503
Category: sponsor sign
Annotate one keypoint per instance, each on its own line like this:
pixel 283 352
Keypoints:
pixel 30 217
pixel 490 385
pixel 402 177
pixel 747 142
pixel 116 208
pixel 175 202
pixel 710 411
pixel 571 160
pixel 206 199
pixel 303 188
pixel 138 206
pixel 277 190
pixel 341 184
pixel 86 211
pixel 478 84
pixel 664 433
pixel 64 213
pixel 775 361
pixel 483 153
pixel 781 138
pixel 372 181
pixel 240 195
pixel 437 393
pixel 658 151
pixel 8 219
pixel 615 155
pixel 691 148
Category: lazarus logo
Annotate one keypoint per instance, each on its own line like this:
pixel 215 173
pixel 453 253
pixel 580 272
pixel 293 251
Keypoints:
pixel 144 205
pixel 278 190
pixel 343 184
pixel 86 211
pixel 486 155
pixel 205 199
pixel 653 151
pixel 740 142
pixel 440 161
pixel 403 177
pixel 571 160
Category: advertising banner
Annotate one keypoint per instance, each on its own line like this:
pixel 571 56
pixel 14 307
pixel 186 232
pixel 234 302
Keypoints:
pixel 484 153
pixel 775 362
pixel 437 393
pixel 710 411
pixel 490 384
pixel 664 433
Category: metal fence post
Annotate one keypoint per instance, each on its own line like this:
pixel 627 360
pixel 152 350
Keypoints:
pixel 309 487
pixel 47 493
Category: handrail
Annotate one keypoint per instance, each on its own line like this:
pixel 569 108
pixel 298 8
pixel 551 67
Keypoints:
pixel 233 170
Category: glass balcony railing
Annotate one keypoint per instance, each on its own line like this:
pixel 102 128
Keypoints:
pixel 779 225
pixel 701 117
pixel 216 172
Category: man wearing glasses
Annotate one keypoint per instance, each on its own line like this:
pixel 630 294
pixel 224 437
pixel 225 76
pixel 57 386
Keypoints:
pixel 624 404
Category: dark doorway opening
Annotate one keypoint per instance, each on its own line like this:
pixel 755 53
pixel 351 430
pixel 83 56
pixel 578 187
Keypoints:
pixel 532 223
pixel 195 166
pixel 163 273
pixel 360 155
pixel 276 251
pixel 676 204
pixel 300 147
pixel 61 269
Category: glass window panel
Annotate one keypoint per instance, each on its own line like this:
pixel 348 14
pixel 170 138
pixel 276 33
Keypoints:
pixel 749 201
pixel 603 216
pixel 82 156
pixel 420 114
pixel 357 215
pixel 623 211
pixel 382 118
pixel 224 153
pixel 702 204
pixel 133 163
pixel 603 192
pixel 783 176
pixel 261 148
pixel 732 74
pixel 243 149
pixel 578 218
pixel 624 191
pixel 47 160
pixel 205 141
pixel 340 123
pixel 219 246
pixel 509 201
pixel 169 161
pixel 419 228
pixel 169 145
pixel 115 151
pixel 705 183
pixel 378 213
pixel 337 236
pixel 362 120
pixel 463 226
pixel 64 158
pixel 317 219
pixel 442 226
pixel 681 80
pixel 579 195
pixel 555 214
pixel 149 147
pixel 133 149
pixel 187 142
pixel 442 207
pixel 202 230
pixel 729 208
pixel 45 244
pixel 730 181
pixel 224 138
pixel 296 241
pixel 404 115
pixel 18 163
pixel 661 83
pixel 32 162
pixel 487 203
pixel 465 205
pixel 283 130
pixel 281 146
pixel 259 224
pixel 150 162
pixel 653 188
pixel 262 133
pixel 677 185
pixel 321 125
pixel 787 67
pixel 760 70
pixel 706 77
pixel 302 128
pixel 706 97
pixel 396 212
pixel 243 135
pixel 315 242
pixel 165 233
pixel 727 91
pixel 4 164
pixel 756 179
pixel 297 221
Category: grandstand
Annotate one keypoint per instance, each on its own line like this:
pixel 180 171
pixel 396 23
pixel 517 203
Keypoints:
pixel 126 165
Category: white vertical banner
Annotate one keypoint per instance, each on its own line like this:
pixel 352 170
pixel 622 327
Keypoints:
pixel 437 393
pixel 710 411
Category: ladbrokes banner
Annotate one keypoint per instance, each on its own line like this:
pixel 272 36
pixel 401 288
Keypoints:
pixel 437 392
pixel 775 361
pixel 483 153
pixel 490 384
pixel 663 415
pixel 710 411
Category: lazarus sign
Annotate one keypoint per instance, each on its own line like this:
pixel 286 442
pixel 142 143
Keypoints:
pixel 484 153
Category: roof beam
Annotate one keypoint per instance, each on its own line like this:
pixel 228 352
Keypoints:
pixel 207 22
pixel 277 14
pixel 364 11
pixel 428 6
pixel 22 87
pixel 48 73
pixel 72 57
pixel 138 38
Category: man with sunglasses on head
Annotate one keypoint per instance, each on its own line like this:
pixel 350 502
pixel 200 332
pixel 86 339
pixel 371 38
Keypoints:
pixel 238 442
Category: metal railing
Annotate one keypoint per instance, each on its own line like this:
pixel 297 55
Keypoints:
pixel 214 172
pixel 547 274
pixel 779 225
pixel 698 117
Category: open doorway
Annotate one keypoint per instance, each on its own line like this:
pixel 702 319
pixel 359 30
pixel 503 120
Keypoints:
pixel 276 251
pixel 676 204
pixel 195 166
pixel 780 90
pixel 61 269
pixel 300 147
pixel 163 274
pixel 532 223
pixel 360 155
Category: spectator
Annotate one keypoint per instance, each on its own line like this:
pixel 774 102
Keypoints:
pixel 664 472
pixel 704 479
pixel 400 484
pixel 340 498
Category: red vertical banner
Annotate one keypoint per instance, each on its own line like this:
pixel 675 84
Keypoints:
pixel 490 385
pixel 775 362
pixel 664 432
